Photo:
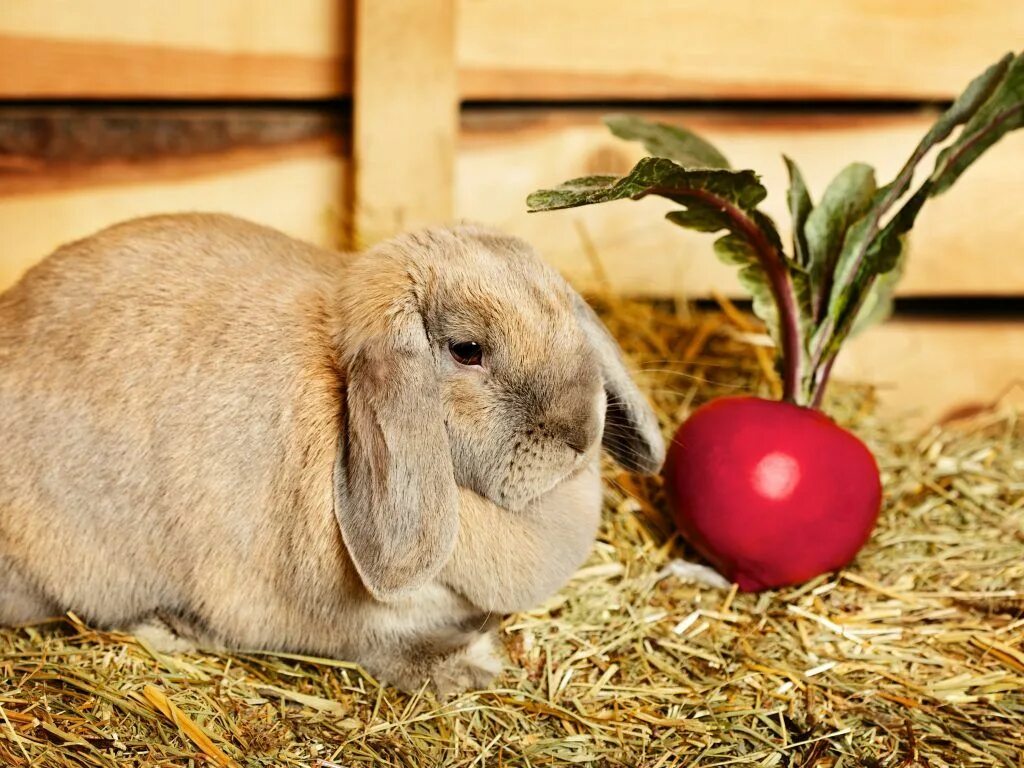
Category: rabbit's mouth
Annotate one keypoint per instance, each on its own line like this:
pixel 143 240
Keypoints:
pixel 527 484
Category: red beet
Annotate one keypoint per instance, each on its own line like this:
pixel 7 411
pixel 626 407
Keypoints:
pixel 771 493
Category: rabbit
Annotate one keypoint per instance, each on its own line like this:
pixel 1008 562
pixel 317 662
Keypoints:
pixel 214 431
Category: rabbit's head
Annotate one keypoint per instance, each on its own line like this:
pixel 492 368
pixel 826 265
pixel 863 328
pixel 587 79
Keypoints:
pixel 468 362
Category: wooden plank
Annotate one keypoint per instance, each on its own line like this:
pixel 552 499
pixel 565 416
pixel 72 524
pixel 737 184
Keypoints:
pixel 43 149
pixel 405 115
pixel 965 243
pixel 186 49
pixel 799 49
pixel 507 49
pixel 960 247
pixel 298 189
pixel 67 171
pixel 927 370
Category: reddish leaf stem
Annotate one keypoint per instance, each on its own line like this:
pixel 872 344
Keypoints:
pixel 779 281
pixel 820 383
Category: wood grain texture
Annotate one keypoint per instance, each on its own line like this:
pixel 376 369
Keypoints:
pixel 186 49
pixel 43 149
pixel 32 67
pixel 298 188
pixel 405 115
pixel 509 49
pixel 966 241
pixel 927 370
pixel 798 49
pixel 965 244
pixel 67 171
pixel 306 27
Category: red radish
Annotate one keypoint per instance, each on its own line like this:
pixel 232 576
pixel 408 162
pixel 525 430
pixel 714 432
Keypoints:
pixel 774 493
pixel 769 492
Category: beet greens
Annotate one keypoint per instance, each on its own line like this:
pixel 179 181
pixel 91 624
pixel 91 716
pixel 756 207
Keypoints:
pixel 847 251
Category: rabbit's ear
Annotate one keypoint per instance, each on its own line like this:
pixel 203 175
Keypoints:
pixel 631 432
pixel 394 487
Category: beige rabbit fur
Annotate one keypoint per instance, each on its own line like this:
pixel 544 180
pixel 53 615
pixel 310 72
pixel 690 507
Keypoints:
pixel 271 446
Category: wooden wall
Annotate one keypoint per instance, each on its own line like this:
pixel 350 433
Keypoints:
pixel 339 121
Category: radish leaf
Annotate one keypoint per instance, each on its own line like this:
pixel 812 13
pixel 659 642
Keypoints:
pixel 1002 113
pixel 800 207
pixel 878 304
pixel 701 190
pixel 669 141
pixel 848 250
pixel 713 200
pixel 845 200
pixel 990 107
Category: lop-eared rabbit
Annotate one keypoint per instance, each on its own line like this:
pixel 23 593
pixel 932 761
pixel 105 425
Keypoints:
pixel 211 427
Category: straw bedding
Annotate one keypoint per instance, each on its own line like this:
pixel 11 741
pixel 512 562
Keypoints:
pixel 914 655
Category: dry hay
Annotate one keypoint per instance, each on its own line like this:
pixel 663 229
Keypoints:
pixel 914 655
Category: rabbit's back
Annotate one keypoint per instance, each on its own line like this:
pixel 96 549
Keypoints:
pixel 169 408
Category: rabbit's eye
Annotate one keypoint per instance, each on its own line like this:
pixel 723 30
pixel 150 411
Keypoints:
pixel 466 352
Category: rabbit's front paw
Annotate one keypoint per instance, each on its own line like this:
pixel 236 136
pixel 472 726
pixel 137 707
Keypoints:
pixel 472 666
pixel 157 633
pixel 447 664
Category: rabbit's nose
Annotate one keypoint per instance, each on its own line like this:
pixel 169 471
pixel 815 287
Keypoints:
pixel 577 433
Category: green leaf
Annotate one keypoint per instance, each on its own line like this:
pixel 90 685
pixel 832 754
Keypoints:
pixel 846 200
pixel 878 303
pixel 755 280
pixel 990 106
pixel 713 200
pixel 572 193
pixel 848 251
pixel 881 255
pixel 967 104
pixel 800 207
pixel 658 176
pixel 1001 113
pixel 735 250
pixel 668 141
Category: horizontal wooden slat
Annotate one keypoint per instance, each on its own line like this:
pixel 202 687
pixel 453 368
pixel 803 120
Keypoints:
pixel 933 369
pixel 298 188
pixel 586 49
pixel 185 49
pixel 509 49
pixel 67 171
pixel 966 242
pixel 43 149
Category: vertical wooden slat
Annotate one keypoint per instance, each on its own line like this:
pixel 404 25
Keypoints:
pixel 405 116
